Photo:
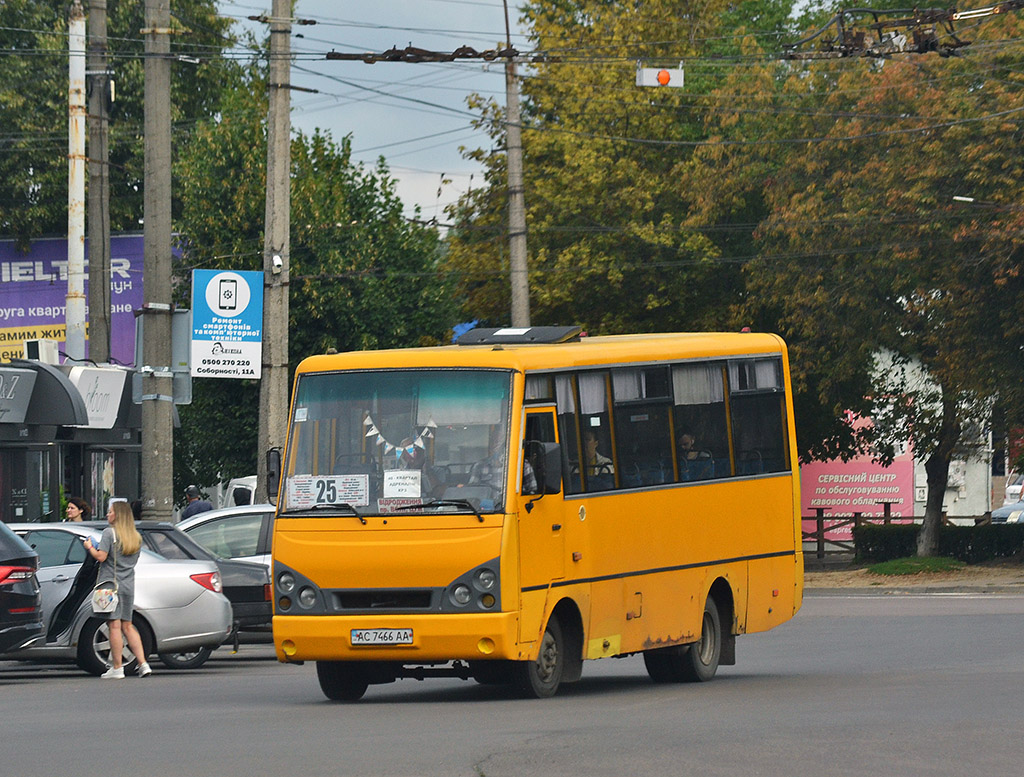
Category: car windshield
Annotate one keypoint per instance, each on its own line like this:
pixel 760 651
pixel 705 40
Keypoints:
pixel 373 442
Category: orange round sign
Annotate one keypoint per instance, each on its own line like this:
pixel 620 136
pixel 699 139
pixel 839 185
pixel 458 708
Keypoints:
pixel 664 77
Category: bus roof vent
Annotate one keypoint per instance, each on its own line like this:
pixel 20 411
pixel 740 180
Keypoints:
pixel 521 335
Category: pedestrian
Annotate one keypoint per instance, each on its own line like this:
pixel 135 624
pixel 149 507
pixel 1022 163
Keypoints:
pixel 118 553
pixel 78 509
pixel 196 503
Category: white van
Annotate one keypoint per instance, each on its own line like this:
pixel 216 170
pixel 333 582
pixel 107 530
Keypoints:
pixel 238 492
pixel 1014 481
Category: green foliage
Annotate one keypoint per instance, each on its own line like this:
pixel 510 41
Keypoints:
pixel 34 111
pixel 361 276
pixel 970 544
pixel 916 565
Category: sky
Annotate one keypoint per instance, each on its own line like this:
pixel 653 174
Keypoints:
pixel 414 115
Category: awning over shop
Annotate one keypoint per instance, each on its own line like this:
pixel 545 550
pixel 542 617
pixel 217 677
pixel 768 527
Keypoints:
pixel 55 401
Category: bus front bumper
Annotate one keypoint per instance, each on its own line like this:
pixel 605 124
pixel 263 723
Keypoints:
pixel 433 638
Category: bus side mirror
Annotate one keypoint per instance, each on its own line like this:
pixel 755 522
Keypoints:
pixel 273 472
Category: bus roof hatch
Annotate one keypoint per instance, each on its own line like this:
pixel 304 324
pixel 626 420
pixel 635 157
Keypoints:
pixel 521 335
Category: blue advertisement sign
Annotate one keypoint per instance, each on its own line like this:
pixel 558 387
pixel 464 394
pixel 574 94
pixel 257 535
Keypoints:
pixel 34 287
pixel 227 323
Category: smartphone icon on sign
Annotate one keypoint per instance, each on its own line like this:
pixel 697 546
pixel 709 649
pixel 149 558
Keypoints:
pixel 228 296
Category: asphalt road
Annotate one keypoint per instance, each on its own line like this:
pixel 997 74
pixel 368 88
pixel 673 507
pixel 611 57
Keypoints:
pixel 855 685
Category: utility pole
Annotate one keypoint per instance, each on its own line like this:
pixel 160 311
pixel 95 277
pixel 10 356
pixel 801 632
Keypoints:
pixel 276 245
pixel 157 393
pixel 74 338
pixel 516 201
pixel 99 184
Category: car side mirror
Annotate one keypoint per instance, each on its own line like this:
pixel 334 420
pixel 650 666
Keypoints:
pixel 273 472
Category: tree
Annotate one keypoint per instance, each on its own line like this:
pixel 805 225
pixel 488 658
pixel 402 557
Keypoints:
pixel 608 244
pixel 870 268
pixel 362 276
pixel 34 112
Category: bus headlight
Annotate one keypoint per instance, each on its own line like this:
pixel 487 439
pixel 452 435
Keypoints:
pixel 461 594
pixel 286 582
pixel 486 579
pixel 307 597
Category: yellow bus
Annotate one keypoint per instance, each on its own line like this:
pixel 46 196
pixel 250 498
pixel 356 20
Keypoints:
pixel 506 507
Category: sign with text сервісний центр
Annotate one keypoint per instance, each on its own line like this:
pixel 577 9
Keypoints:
pixel 227 324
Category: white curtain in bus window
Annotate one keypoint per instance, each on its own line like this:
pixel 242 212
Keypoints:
pixel 592 393
pixel 755 374
pixel 697 384
pixel 564 396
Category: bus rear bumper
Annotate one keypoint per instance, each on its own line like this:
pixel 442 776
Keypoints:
pixel 434 638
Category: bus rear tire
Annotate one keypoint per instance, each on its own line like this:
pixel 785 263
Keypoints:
pixel 540 679
pixel 341 680
pixel 696 663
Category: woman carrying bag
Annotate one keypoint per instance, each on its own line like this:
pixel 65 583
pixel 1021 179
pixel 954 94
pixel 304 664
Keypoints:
pixel 118 553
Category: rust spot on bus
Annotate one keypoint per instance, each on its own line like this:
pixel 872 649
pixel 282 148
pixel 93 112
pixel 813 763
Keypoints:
pixel 652 643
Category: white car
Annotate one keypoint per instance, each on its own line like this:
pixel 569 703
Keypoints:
pixel 1014 481
pixel 234 532
pixel 179 604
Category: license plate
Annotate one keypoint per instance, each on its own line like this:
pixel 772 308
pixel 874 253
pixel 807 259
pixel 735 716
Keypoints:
pixel 381 637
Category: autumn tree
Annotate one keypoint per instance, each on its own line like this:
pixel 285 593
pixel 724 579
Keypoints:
pixel 609 246
pixel 896 298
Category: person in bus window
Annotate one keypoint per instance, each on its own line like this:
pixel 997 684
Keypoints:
pixel 595 462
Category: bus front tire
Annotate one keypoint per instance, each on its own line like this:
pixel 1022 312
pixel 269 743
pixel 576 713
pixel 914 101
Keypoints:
pixel 540 679
pixel 695 663
pixel 341 680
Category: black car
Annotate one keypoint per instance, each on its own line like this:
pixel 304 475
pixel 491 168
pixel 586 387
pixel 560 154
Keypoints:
pixel 21 612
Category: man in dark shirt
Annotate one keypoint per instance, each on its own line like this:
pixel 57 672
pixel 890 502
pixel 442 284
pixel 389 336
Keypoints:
pixel 196 503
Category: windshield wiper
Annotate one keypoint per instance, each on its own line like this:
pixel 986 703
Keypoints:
pixel 465 503
pixel 327 506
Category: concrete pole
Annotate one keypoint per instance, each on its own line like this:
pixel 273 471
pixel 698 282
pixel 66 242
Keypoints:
pixel 273 425
pixel 99 185
pixel 157 391
pixel 516 201
pixel 74 339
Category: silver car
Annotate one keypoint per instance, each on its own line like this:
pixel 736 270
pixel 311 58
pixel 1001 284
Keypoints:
pixel 235 532
pixel 179 605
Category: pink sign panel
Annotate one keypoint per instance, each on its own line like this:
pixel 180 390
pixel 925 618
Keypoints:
pixel 860 485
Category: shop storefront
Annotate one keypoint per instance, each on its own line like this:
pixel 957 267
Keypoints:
pixel 65 431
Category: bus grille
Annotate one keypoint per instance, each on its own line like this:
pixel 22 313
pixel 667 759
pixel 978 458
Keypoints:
pixel 390 599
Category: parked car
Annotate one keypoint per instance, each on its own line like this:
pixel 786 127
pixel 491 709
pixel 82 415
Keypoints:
pixel 1014 482
pixel 241 533
pixel 246 585
pixel 1011 513
pixel 179 604
pixel 21 618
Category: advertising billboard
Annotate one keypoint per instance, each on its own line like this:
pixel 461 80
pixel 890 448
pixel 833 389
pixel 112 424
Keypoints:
pixel 33 292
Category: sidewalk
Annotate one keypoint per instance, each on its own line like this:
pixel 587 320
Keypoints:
pixel 991 578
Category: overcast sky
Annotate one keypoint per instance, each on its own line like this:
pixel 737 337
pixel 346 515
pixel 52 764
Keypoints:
pixel 415 115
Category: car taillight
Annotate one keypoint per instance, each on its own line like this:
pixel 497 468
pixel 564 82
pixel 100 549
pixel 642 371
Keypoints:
pixel 210 580
pixel 268 592
pixel 12 575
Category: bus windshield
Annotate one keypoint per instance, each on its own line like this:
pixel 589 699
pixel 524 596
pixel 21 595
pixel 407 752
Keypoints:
pixel 380 441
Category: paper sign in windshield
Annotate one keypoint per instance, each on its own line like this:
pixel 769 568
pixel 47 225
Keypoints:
pixel 402 483
pixel 309 490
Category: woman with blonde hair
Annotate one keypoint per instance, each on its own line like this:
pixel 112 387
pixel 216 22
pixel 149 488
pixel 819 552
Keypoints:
pixel 118 553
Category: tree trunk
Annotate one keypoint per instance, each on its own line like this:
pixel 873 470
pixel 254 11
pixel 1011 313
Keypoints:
pixel 937 469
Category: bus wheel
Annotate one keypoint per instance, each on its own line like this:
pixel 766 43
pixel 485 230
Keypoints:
pixel 689 663
pixel 341 680
pixel 540 679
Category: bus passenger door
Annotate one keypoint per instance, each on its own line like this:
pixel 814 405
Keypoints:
pixel 541 534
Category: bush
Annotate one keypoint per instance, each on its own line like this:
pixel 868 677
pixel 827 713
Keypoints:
pixel 972 544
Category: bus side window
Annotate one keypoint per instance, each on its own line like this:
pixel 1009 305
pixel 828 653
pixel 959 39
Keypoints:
pixel 757 407
pixel 643 436
pixel 699 421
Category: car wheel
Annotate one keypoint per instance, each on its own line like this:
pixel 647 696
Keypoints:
pixel 192 659
pixel 94 647
pixel 540 679
pixel 341 680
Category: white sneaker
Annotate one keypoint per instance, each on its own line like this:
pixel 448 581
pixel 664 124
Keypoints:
pixel 113 674
pixel 144 670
